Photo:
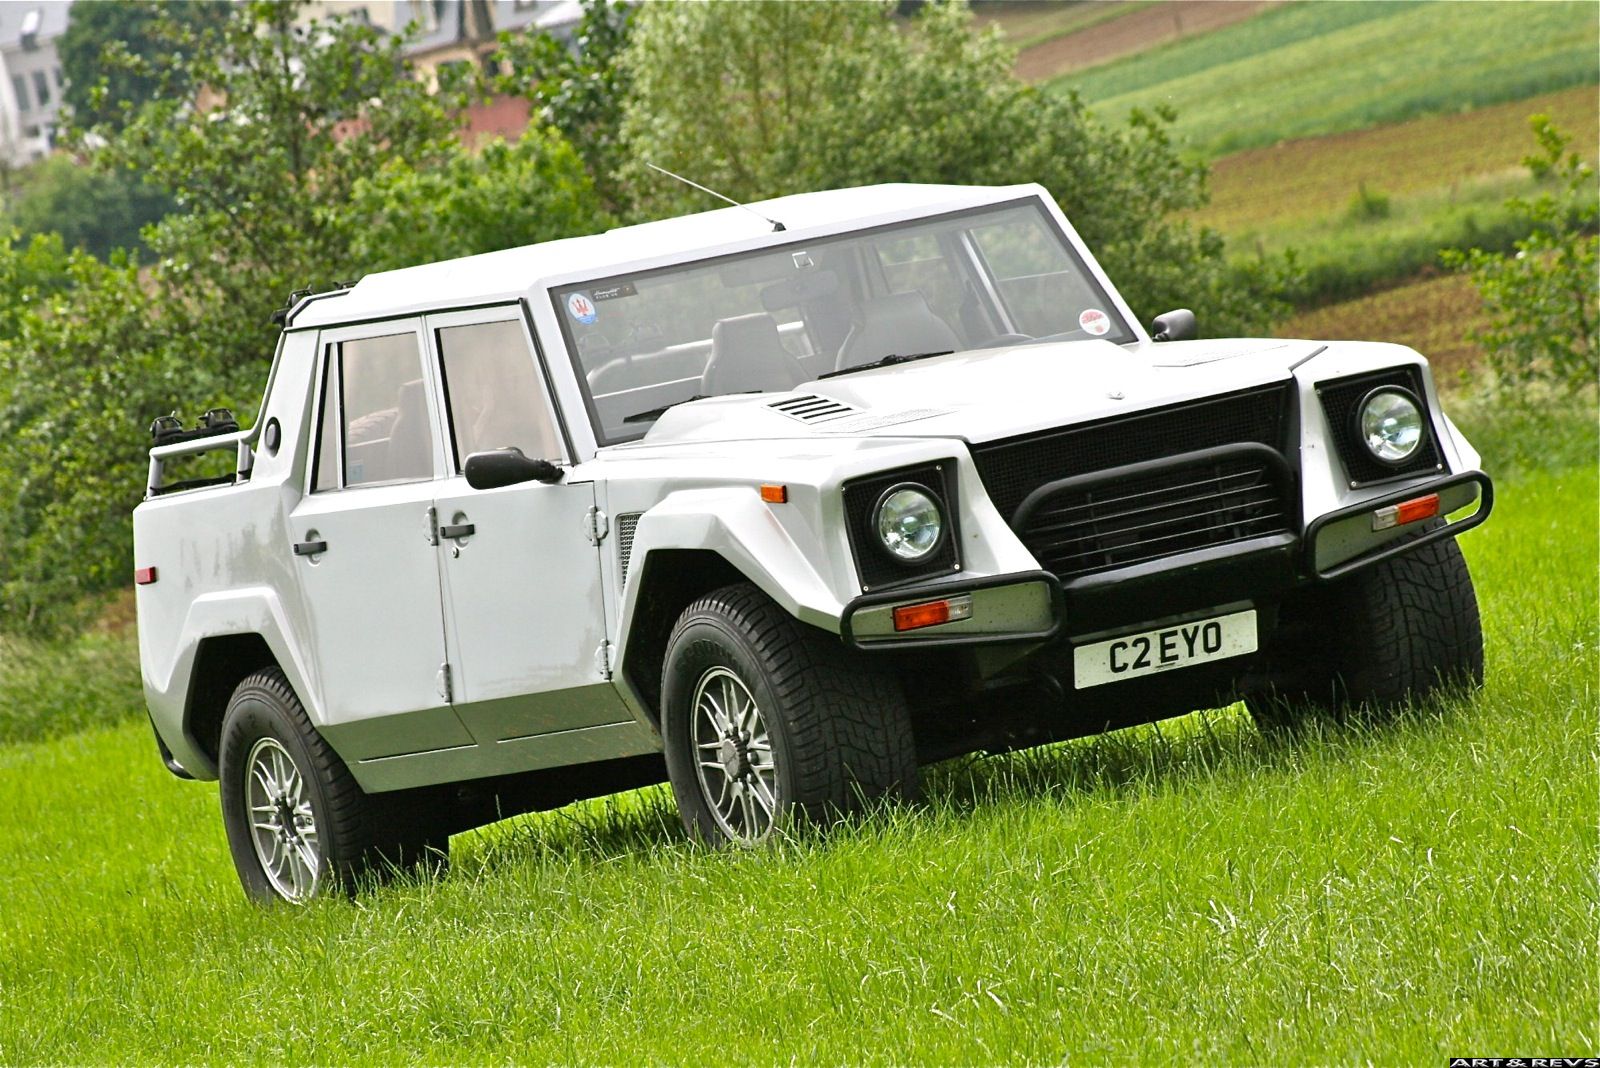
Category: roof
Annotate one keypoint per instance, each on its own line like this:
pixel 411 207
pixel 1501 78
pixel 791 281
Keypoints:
pixel 47 19
pixel 514 273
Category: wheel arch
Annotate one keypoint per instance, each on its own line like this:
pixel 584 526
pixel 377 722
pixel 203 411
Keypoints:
pixel 221 662
pixel 669 580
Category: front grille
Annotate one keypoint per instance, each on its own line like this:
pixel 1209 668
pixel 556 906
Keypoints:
pixel 1339 401
pixel 1093 525
pixel 1115 503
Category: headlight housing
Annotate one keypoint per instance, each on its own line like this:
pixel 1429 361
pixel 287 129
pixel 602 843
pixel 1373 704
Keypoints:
pixel 908 522
pixel 1390 424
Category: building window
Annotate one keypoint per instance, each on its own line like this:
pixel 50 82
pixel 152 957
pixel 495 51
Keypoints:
pixel 41 87
pixel 60 80
pixel 20 87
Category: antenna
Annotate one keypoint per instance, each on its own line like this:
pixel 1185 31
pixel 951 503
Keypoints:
pixel 777 226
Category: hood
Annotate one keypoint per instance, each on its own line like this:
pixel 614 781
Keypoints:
pixel 987 394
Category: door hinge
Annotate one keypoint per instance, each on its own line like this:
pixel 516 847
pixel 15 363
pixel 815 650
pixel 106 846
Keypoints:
pixel 430 520
pixel 446 690
pixel 602 660
pixel 595 525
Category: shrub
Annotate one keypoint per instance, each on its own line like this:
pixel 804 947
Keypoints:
pixel 1544 325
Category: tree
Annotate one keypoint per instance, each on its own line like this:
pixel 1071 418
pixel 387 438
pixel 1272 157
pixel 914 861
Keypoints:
pixel 116 56
pixel 578 90
pixel 310 154
pixel 92 209
pixel 1543 320
pixel 766 98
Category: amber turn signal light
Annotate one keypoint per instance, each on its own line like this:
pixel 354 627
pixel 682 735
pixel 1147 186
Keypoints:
pixel 932 613
pixel 775 494
pixel 1398 515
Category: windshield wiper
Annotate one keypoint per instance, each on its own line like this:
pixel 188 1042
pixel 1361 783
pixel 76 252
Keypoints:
pixel 657 413
pixel 892 358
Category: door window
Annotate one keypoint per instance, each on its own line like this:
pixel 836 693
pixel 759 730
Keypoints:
pixel 376 387
pixel 494 392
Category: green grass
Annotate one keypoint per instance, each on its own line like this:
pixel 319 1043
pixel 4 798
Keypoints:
pixel 1344 66
pixel 1188 893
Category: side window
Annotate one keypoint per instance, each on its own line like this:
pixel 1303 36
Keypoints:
pixel 494 391
pixel 326 474
pixel 387 436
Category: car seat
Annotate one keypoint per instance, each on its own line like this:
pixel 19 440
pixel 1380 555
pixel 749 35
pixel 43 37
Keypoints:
pixel 899 324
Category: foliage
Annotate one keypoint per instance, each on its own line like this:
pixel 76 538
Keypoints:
pixel 762 99
pixel 93 209
pixel 116 56
pixel 313 155
pixel 1303 70
pixel 1544 323
pixel 1277 903
pixel 578 90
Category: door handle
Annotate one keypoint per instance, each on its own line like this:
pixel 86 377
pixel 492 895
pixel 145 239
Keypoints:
pixel 310 548
pixel 457 530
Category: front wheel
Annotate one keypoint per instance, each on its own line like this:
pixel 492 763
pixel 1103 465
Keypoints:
pixel 1365 645
pixel 298 824
pixel 769 723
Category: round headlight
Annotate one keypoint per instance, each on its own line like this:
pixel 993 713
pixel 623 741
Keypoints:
pixel 909 523
pixel 1390 424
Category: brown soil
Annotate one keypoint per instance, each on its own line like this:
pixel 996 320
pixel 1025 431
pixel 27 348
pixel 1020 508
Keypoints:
pixel 1142 28
pixel 1430 314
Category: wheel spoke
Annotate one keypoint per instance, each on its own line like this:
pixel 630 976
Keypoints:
pixel 764 795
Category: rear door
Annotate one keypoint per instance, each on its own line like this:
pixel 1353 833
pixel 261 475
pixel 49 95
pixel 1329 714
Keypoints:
pixel 362 546
pixel 524 609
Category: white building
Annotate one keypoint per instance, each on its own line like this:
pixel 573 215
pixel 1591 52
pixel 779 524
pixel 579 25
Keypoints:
pixel 30 77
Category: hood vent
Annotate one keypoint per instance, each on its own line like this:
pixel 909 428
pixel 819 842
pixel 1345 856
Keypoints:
pixel 810 408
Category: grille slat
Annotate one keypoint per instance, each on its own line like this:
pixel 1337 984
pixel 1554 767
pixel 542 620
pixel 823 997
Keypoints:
pixel 1219 490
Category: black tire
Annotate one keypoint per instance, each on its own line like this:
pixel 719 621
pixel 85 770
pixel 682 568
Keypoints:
pixel 840 731
pixel 358 837
pixel 1366 645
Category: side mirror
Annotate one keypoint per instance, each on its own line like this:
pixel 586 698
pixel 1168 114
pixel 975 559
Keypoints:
pixel 507 467
pixel 1176 325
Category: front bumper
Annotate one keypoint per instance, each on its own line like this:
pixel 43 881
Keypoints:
pixel 1035 607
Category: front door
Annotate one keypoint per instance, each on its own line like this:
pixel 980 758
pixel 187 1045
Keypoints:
pixel 524 610
pixel 361 534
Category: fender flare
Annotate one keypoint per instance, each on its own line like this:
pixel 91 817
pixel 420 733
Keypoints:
pixel 256 610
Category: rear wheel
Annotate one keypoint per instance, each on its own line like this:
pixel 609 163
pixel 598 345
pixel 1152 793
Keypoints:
pixel 769 723
pixel 298 825
pixel 1367 644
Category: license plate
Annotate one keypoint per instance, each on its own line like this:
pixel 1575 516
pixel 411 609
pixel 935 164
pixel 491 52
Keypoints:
pixel 1167 649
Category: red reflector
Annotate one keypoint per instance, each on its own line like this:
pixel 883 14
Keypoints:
pixel 775 494
pixel 143 576
pixel 1421 508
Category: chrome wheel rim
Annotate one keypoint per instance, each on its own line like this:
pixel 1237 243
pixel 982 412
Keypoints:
pixel 733 757
pixel 283 828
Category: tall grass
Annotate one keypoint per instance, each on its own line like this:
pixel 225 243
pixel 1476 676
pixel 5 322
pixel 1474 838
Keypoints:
pixel 1188 892
pixel 1334 67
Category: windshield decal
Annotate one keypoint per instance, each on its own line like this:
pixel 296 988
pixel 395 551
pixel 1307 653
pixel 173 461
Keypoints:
pixel 622 289
pixel 581 308
pixel 1094 321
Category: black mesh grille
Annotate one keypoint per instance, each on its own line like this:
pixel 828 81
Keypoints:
pixel 1123 521
pixel 1339 401
pixel 876 567
pixel 1154 513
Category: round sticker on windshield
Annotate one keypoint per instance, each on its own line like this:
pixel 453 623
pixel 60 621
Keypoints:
pixel 1094 321
pixel 581 308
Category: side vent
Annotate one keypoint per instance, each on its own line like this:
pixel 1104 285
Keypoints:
pixel 810 408
pixel 625 527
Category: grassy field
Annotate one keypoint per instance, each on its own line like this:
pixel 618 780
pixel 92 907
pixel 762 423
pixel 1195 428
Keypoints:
pixel 1336 67
pixel 1432 315
pixel 1192 892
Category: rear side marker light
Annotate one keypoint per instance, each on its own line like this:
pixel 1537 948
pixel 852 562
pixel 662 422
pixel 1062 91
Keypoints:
pixel 144 576
pixel 932 613
pixel 775 494
pixel 1398 515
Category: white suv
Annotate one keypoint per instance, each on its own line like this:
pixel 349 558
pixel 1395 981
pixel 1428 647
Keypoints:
pixel 777 513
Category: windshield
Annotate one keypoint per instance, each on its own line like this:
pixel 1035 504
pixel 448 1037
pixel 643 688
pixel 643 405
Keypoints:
pixel 769 320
